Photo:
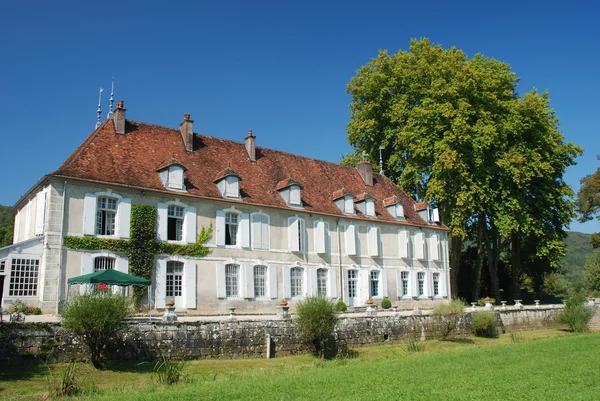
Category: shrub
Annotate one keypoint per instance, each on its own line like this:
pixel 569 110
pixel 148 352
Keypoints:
pixel 168 372
pixel 18 306
pixel 446 317
pixel 386 303
pixel 576 314
pixel 96 318
pixel 340 306
pixel 315 321
pixel 483 324
pixel 412 345
pixel 481 301
pixel 66 384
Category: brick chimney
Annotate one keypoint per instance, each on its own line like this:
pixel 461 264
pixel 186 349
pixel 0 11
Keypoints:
pixel 251 146
pixel 119 118
pixel 187 132
pixel 366 172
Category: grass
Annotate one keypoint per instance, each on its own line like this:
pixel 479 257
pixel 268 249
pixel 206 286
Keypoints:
pixel 548 365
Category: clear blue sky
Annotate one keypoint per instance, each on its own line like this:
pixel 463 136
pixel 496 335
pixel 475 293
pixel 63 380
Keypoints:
pixel 278 68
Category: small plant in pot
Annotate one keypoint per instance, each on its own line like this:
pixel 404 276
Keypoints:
pixel 369 302
pixel 283 302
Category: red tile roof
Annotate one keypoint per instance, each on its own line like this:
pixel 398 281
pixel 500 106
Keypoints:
pixel 225 173
pixel 288 182
pixel 131 160
pixel 172 161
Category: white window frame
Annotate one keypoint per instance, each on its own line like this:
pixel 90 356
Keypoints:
pixel 421 284
pixel 260 281
pixel 370 207
pixel 295 195
pixel 176 213
pixel 24 278
pixel 229 292
pixel 181 274
pixel 105 211
pixel 349 204
pixel 263 242
pixel 243 229
pixel 232 187
pixel 404 278
pixel 175 177
pixel 106 263
pixel 295 290
pixel 436 284
pixel 399 211
pixel 189 225
pixel 375 284
pixel 322 284
pixel 122 214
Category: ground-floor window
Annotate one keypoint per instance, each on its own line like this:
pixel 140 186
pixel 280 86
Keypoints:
pixel 174 279
pixel 421 279
pixel 296 282
pixel 436 284
pixel 404 278
pixel 232 280
pixel 104 263
pixel 24 278
pixel 322 282
pixel 374 278
pixel 260 281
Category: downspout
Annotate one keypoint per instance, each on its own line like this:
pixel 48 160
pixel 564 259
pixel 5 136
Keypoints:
pixel 341 290
pixel 61 272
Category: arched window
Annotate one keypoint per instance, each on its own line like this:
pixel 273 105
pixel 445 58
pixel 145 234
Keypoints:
pixel 232 281
pixel 260 281
pixel 322 276
pixel 106 215
pixel 297 281
pixel 104 263
pixel 174 279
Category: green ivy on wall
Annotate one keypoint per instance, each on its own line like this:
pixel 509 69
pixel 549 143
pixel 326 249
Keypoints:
pixel 142 247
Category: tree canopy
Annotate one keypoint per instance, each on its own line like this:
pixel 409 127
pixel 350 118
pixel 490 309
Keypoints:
pixel 7 219
pixel 588 201
pixel 456 133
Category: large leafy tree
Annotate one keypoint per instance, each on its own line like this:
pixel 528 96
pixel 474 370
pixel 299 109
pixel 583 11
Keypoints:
pixel 456 133
pixel 588 201
pixel 7 219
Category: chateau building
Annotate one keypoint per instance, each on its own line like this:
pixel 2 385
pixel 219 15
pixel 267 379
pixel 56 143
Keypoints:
pixel 284 226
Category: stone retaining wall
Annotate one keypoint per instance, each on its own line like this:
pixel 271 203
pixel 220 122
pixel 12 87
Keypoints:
pixel 234 338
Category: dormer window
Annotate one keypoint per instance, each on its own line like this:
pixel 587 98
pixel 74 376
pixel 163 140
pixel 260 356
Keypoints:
pixel 344 200
pixel 228 182
pixel 171 174
pixel 291 192
pixel 365 203
pixel 394 207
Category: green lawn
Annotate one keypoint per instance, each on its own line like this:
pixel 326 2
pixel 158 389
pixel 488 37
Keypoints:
pixel 546 366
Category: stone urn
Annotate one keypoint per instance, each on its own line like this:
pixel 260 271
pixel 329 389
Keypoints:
pixel 371 307
pixel 283 302
pixel 369 301
pixel 488 304
pixel 169 316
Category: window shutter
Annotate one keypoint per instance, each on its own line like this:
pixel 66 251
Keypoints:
pixel 220 274
pixel 403 243
pixel 419 254
pixel 220 223
pixel 247 280
pixel 332 283
pixel 190 225
pixel 373 239
pixel 287 289
pixel 350 240
pixel 320 237
pixel 370 208
pixel 413 283
pixel 89 214
pixel 124 217
pixel 256 227
pixel 384 283
pixel 293 223
pixel 272 282
pixel 189 284
pixel 435 215
pixel 162 221
pixel 87 267
pixel 363 276
pixel 265 233
pixel 348 205
pixel 161 284
pixel 311 281
pixel 443 285
pixel 434 247
pixel 399 284
pixel 40 207
pixel 245 230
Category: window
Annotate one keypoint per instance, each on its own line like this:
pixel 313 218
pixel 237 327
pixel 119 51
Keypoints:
pixel 403 236
pixel 374 287
pixel 106 213
pixel 104 263
pixel 434 250
pixel 421 279
pixel 175 177
pixel 232 280
pixel 296 234
pixel 24 277
pixel 232 187
pixel 373 241
pixel 322 282
pixel 260 231
pixel 419 246
pixel 296 282
pixel 2 265
pixel 404 282
pixel 436 284
pixel 321 231
pixel 399 211
pixel 350 239
pixel 348 205
pixel 175 215
pixel 260 281
pixel 295 195
pixel 370 207
pixel 174 279
pixel 231 228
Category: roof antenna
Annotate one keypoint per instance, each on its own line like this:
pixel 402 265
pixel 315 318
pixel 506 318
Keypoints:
pixel 380 161
pixel 99 107
pixel 112 99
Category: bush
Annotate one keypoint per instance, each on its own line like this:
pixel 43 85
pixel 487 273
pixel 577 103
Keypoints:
pixel 386 303
pixel 21 307
pixel 446 317
pixel 96 318
pixel 481 301
pixel 483 324
pixel 576 314
pixel 66 384
pixel 340 306
pixel 315 321
pixel 168 372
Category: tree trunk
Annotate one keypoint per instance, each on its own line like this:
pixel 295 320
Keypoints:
pixel 479 261
pixel 455 249
pixel 515 267
pixel 493 251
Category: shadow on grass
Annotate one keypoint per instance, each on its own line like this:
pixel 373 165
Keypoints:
pixel 23 369
pixel 131 367
pixel 459 340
